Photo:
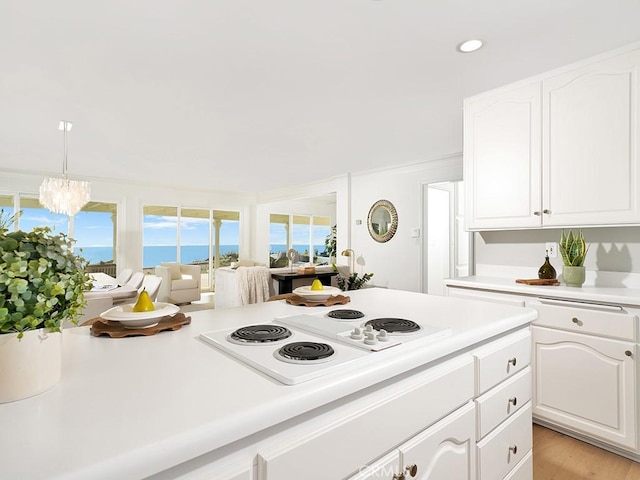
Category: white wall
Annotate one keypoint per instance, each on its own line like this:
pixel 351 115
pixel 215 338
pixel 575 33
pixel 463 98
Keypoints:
pixel 397 263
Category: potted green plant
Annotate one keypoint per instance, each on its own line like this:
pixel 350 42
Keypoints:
pixel 42 284
pixel 573 250
pixel 353 281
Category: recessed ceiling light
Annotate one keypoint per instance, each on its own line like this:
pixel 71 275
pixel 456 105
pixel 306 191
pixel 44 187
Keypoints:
pixel 469 46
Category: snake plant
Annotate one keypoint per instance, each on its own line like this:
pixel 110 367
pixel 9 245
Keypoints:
pixel 573 249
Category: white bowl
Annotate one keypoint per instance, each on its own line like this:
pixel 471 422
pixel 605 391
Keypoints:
pixel 316 295
pixel 130 319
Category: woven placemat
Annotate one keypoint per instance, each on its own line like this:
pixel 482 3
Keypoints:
pixel 117 330
pixel 333 300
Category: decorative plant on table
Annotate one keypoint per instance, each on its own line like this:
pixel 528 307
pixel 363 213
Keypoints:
pixel 353 281
pixel 573 250
pixel 42 284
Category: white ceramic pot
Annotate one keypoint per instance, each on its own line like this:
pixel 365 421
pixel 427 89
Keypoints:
pixel 30 365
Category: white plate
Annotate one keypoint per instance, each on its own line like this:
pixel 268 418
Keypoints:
pixel 130 319
pixel 316 295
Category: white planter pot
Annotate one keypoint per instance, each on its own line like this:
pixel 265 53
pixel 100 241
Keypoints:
pixel 30 365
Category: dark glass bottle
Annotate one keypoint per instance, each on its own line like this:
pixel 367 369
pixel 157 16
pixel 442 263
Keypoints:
pixel 546 270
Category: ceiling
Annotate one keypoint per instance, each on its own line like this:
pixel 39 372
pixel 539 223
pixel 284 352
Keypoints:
pixel 253 95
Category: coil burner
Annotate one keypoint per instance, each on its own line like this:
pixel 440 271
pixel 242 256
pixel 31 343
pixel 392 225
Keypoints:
pixel 305 352
pixel 259 334
pixel 394 325
pixel 345 314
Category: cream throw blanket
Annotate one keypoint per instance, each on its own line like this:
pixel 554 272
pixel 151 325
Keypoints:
pixel 253 284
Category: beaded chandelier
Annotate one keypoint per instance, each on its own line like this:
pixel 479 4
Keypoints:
pixel 61 195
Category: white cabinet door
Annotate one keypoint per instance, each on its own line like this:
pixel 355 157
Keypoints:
pixel 587 384
pixel 444 451
pixel 591 159
pixel 502 159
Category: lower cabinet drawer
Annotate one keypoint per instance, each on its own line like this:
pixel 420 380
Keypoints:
pixel 502 359
pixel 524 470
pixel 501 402
pixel 615 322
pixel 501 450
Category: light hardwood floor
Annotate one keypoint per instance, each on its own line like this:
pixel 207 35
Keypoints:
pixel 559 457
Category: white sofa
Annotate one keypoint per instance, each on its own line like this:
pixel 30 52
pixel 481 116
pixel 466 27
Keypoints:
pixel 180 283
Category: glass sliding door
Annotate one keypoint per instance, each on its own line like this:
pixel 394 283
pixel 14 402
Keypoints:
pixel 205 237
pixel 195 241
pixel 226 237
pixel 321 228
pixel 279 242
pixel 94 228
pixel 301 237
pixel 304 233
pixel 160 236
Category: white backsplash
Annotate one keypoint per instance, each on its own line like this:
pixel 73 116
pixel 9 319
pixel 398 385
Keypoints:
pixel 598 278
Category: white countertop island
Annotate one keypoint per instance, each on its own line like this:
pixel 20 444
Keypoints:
pixel 134 407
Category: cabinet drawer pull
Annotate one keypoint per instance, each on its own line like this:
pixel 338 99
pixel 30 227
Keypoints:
pixel 576 321
pixel 513 401
pixel 547 211
pixel 411 470
pixel 514 449
pixel 513 361
pixel 537 214
pixel 628 353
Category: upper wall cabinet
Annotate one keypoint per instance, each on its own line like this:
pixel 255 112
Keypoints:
pixel 590 157
pixel 560 151
pixel 502 161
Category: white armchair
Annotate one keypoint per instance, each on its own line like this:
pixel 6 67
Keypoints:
pixel 180 283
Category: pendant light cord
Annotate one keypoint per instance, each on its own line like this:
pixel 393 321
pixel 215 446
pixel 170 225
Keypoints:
pixel 64 124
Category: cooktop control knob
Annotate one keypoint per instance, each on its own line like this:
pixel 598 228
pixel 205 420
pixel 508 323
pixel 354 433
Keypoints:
pixel 356 334
pixel 368 329
pixel 383 336
pixel 370 338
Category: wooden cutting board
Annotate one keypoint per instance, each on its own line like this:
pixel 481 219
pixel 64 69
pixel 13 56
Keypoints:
pixel 538 281
pixel 117 330
pixel 333 300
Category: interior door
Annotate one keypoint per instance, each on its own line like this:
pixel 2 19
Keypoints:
pixel 447 249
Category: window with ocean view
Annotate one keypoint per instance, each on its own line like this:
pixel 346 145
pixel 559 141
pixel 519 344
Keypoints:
pixel 204 237
pixel 35 215
pixel 159 236
pixel 304 233
pixel 94 228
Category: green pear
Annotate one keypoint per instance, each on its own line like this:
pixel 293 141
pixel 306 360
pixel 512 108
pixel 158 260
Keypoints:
pixel 144 303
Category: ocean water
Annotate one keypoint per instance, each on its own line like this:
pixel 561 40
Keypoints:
pixel 154 255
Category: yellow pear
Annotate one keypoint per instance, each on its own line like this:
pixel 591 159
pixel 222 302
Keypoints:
pixel 317 285
pixel 144 303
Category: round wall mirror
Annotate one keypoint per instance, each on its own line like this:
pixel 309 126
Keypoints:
pixel 382 221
